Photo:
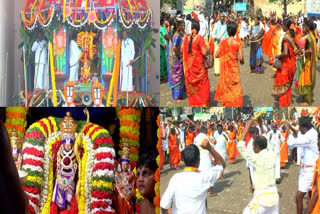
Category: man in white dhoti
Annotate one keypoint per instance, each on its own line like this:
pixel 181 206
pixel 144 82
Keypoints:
pixel 266 198
pixel 203 26
pixel 205 161
pixel 254 131
pixel 75 53
pixel 127 56
pixel 244 35
pixel 220 138
pixel 306 138
pixel 187 190
pixel 41 61
pixel 274 138
pixel 219 34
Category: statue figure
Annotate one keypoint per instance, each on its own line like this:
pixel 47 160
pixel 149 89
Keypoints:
pixel 59 47
pixel 124 183
pixel 67 165
pixel 15 141
pixel 109 47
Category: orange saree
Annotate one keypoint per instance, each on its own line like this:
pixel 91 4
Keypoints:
pixel 269 43
pixel 316 177
pixel 196 76
pixel 189 138
pixel 283 150
pixel 174 152
pixel 284 77
pixel 229 91
pixel 232 149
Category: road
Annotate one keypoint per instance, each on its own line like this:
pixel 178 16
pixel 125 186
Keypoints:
pixel 233 193
pixel 256 87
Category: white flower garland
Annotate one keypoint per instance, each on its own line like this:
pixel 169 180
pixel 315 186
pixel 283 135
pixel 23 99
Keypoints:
pixel 88 176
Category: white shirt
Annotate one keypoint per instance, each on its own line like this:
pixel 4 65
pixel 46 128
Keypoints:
pixel 220 145
pixel 75 53
pixel 41 52
pixel 187 191
pixel 308 142
pixel 205 162
pixel 274 139
pixel 188 27
pixel 265 129
pixel 165 141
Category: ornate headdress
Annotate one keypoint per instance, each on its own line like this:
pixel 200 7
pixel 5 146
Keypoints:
pixel 67 127
pixel 125 152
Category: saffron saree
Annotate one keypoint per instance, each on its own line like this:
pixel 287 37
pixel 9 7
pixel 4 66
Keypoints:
pixel 284 77
pixel 174 153
pixel 270 42
pixel 196 76
pixel 256 55
pixel 176 75
pixel 307 76
pixel 232 146
pixel 229 90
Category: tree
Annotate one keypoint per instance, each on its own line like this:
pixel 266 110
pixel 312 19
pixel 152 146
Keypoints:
pixel 284 3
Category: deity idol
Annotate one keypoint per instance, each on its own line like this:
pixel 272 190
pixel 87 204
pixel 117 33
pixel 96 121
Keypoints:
pixel 59 44
pixel 124 179
pixel 66 165
pixel 109 47
pixel 15 141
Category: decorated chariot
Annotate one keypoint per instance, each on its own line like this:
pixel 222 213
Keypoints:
pixel 86 53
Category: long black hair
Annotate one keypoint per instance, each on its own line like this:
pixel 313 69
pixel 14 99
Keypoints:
pixel 195 25
pixel 287 22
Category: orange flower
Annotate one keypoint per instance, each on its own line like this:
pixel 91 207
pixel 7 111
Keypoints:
pixel 156 200
pixel 15 115
pixel 130 123
pixel 158 120
pixel 157 175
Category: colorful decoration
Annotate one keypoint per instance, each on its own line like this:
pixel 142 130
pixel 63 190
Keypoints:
pixel 16 117
pixel 129 130
pixel 69 91
pixel 97 93
pixel 42 142
pixel 59 47
pixel 156 199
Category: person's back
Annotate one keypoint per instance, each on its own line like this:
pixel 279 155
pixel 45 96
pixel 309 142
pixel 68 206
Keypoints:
pixel 191 188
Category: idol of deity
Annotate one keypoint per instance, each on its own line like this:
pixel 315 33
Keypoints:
pixel 109 47
pixel 124 183
pixel 15 141
pixel 67 165
pixel 59 44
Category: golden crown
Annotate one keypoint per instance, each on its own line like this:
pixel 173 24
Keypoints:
pixel 68 125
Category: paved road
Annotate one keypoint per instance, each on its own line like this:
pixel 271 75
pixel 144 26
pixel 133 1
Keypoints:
pixel 256 87
pixel 234 193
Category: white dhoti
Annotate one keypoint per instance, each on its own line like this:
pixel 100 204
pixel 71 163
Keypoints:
pixel 216 61
pixel 305 179
pixel 222 153
pixel 258 204
pixel 277 167
pixel 74 72
pixel 39 76
pixel 126 76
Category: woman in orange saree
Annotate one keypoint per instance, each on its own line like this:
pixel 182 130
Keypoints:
pixel 229 90
pixel 283 148
pixel 196 76
pixel 307 76
pixel 284 76
pixel 232 149
pixel 174 152
pixel 268 44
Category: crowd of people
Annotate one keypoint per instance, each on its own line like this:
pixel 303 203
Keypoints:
pixel 192 44
pixel 266 144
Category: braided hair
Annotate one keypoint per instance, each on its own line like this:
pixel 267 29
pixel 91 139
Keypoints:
pixel 195 25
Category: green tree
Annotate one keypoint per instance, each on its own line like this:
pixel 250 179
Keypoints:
pixel 172 3
pixel 284 3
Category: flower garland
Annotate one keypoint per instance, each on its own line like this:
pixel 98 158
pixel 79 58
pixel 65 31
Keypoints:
pixel 129 130
pixel 53 78
pixel 115 74
pixel 159 145
pixel 102 176
pixel 16 117
pixel 34 162
pixel 156 199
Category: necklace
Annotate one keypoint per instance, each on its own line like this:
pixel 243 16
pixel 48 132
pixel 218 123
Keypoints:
pixel 190 168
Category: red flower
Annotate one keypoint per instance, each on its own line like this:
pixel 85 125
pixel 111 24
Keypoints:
pixel 32 162
pixel 100 194
pixel 103 155
pixel 33 151
pixel 103 166
pixel 33 190
pixel 88 127
pixel 99 204
pixel 30 210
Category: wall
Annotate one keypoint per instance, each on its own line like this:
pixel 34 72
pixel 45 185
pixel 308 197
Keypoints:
pixel 291 8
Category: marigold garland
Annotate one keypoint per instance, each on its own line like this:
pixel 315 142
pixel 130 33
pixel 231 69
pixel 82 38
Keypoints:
pixel 156 199
pixel 16 117
pixel 130 130
pixel 115 74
